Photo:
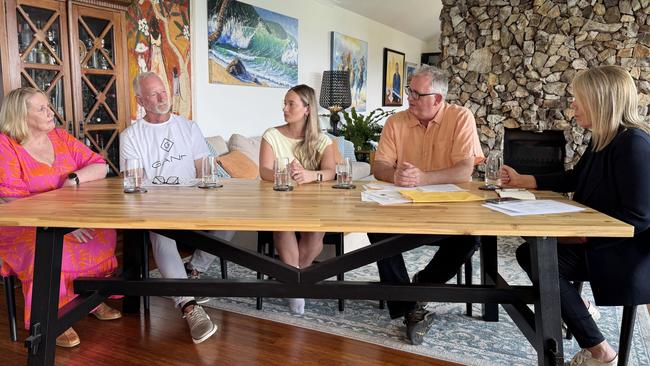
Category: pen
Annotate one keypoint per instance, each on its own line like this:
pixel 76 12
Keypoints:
pixel 512 189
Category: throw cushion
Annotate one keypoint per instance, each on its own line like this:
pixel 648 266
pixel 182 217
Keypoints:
pixel 238 165
pixel 250 146
pixel 217 145
pixel 345 147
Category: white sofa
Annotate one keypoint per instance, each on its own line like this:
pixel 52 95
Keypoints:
pixel 250 146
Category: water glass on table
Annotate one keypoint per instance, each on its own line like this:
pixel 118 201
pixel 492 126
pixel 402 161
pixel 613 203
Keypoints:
pixel 344 174
pixel 133 174
pixel 492 170
pixel 281 175
pixel 209 176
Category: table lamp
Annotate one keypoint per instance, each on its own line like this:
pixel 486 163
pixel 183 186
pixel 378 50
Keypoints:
pixel 335 95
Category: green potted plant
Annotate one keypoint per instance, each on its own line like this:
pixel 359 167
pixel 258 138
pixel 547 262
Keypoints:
pixel 362 129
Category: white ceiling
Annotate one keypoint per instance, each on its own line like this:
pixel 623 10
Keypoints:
pixel 418 18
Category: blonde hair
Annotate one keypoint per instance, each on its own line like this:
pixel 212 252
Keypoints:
pixel 610 100
pixel 13 113
pixel 306 151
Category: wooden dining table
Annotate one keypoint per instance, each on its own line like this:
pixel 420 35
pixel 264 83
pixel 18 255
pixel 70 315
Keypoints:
pixel 186 213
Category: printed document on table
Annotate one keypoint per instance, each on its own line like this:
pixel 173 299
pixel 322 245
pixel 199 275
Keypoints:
pixel 521 194
pixel 428 188
pixel 384 197
pixel 537 207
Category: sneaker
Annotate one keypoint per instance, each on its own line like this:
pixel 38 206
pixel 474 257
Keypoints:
pixel 418 323
pixel 68 339
pixel 193 274
pixel 201 327
pixel 105 312
pixel 584 358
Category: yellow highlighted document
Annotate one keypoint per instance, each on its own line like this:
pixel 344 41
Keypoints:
pixel 432 197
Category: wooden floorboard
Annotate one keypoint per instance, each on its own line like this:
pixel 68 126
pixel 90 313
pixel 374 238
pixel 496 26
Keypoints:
pixel 161 337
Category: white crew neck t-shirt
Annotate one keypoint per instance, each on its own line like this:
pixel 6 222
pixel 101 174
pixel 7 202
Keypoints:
pixel 167 149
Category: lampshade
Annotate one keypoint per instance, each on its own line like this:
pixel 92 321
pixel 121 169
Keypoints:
pixel 335 90
pixel 335 95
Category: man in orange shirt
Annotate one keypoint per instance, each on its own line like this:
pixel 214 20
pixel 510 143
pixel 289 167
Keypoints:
pixel 429 143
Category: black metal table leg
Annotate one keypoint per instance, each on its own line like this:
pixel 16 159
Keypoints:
pixel 45 296
pixel 133 263
pixel 627 331
pixel 548 332
pixel 489 272
pixel 10 298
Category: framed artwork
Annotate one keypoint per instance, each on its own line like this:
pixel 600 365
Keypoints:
pixel 431 58
pixel 158 40
pixel 393 84
pixel 249 45
pixel 351 54
pixel 410 70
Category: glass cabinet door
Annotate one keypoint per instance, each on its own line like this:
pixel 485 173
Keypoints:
pixel 41 43
pixel 96 33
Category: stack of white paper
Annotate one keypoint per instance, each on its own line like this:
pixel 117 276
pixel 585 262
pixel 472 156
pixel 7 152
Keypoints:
pixel 521 194
pixel 538 207
pixel 429 188
pixel 383 197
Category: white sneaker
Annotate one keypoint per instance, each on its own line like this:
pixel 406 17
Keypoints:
pixel 201 327
pixel 584 358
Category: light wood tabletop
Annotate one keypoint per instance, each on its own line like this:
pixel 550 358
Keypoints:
pixel 250 205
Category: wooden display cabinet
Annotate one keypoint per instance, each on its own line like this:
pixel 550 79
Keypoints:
pixel 75 51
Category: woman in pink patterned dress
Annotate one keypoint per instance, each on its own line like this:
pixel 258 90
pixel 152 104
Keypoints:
pixel 36 158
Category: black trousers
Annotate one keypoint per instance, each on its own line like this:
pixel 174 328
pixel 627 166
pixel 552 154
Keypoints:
pixel 572 266
pixel 453 252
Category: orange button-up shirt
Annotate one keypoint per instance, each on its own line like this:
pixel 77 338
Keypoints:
pixel 448 139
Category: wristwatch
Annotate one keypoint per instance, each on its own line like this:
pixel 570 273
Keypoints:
pixel 74 177
pixel 319 176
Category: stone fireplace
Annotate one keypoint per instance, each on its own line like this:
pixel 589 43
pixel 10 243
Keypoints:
pixel 511 62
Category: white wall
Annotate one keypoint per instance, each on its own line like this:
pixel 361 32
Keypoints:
pixel 225 109
pixel 433 45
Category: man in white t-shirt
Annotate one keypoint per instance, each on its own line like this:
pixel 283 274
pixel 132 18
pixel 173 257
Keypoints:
pixel 171 148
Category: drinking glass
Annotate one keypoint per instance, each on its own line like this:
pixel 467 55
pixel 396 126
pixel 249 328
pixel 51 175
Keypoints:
pixel 209 176
pixel 344 173
pixel 133 173
pixel 281 174
pixel 492 168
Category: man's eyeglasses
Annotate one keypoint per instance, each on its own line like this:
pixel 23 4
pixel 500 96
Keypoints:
pixel 415 95
pixel 162 180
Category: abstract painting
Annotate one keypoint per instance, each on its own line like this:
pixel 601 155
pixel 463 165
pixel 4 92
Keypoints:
pixel 158 40
pixel 392 86
pixel 351 54
pixel 248 45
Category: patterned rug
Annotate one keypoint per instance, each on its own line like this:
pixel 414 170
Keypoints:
pixel 454 337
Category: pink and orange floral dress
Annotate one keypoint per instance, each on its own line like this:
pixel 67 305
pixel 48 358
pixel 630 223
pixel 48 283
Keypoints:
pixel 23 176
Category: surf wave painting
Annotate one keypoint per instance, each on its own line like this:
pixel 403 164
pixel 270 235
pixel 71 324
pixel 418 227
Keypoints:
pixel 248 45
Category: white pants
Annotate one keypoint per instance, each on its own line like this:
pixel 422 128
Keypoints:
pixel 201 260
pixel 170 264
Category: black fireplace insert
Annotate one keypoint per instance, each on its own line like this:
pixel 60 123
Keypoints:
pixel 532 152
